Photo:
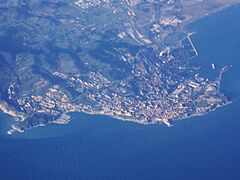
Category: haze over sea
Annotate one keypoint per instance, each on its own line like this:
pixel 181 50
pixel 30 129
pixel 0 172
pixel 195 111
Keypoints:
pixel 99 147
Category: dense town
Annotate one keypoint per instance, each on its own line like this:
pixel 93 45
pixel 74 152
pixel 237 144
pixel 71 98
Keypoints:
pixel 130 60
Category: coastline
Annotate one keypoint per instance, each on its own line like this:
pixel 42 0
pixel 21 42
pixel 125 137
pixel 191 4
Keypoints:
pixel 94 146
pixel 185 25
pixel 160 121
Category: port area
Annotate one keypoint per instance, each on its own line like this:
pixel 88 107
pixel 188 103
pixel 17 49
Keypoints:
pixel 155 93
pixel 128 59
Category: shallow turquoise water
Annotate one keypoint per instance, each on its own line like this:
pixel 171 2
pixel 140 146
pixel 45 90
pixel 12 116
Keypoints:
pixel 91 147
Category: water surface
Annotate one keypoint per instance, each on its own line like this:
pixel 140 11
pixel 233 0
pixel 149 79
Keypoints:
pixel 91 147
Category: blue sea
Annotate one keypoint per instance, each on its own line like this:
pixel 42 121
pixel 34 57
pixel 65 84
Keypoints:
pixel 99 147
